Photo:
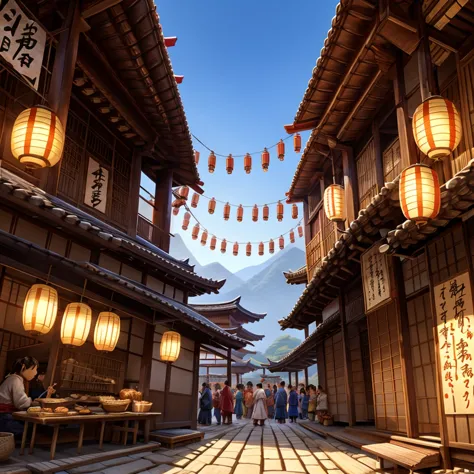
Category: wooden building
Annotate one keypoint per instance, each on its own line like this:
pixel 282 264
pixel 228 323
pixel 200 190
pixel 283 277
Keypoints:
pixel 375 284
pixel 106 74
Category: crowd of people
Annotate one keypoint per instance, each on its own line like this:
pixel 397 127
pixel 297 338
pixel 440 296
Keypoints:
pixel 259 404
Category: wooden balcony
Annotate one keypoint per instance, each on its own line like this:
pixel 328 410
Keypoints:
pixel 148 231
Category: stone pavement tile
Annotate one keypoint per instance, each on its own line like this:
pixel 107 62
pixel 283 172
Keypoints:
pixel 247 469
pixel 309 461
pixel 129 468
pixel 271 453
pixel 272 465
pixel 321 455
pixel 89 468
pixel 245 459
pixel 229 462
pixel 183 462
pixel 164 468
pixel 287 453
pixel 216 470
pixel 293 465
pixel 189 456
pixel 304 451
pixel 159 459
pixel 117 461
pixel 195 466
pixel 328 464
pixel 213 452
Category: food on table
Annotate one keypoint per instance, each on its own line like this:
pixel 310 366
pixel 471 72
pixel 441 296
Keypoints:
pixel 130 394
pixel 47 410
pixel 34 410
pixel 75 396
pixel 84 397
pixel 84 411
pixel 53 400
pixel 61 410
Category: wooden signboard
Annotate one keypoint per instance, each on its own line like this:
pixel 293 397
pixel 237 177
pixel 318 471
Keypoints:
pixel 375 278
pixel 454 315
pixel 96 186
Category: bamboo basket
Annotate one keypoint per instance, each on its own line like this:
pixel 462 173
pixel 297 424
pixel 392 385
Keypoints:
pixel 7 445
pixel 115 406
pixel 141 407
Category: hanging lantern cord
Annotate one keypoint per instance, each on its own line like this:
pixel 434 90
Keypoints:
pixel 49 274
pixel 83 289
pixel 333 168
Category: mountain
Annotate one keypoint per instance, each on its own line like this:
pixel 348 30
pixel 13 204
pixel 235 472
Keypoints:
pixel 281 346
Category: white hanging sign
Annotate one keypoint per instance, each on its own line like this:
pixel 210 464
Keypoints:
pixel 96 186
pixel 22 41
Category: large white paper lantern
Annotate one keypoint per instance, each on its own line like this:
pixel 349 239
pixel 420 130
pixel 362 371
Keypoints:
pixel 40 309
pixel 170 346
pixel 76 324
pixel 107 331
pixel 334 202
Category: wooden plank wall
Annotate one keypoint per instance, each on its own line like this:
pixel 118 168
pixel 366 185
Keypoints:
pixel 392 161
pixel 366 175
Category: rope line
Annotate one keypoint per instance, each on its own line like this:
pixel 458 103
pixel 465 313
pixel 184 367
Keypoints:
pixel 247 205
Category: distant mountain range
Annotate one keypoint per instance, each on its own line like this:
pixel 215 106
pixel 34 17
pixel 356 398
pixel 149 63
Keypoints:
pixel 262 288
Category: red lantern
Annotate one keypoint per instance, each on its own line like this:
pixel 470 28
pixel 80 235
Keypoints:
pixel 265 159
pixel 300 231
pixel 281 150
pixel 195 200
pixel 186 218
pixel 177 203
pixel 266 212
pixel 279 211
pixel 212 246
pixel 183 192
pixel 196 156
pixel 195 233
pixel 223 246
pixel 255 213
pixel 248 249
pixel 261 248
pixel 226 211
pixel 281 242
pixel 271 246
pixel 175 211
pixel 235 249
pixel 294 211
pixel 204 238
pixel 212 162
pixel 229 164
pixel 212 206
pixel 247 163
pixel 292 236
pixel 240 213
pixel 297 142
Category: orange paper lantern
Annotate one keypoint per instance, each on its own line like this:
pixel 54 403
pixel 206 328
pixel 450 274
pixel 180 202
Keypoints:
pixel 261 248
pixel 223 246
pixel 334 203
pixel 226 211
pixel 235 249
pixel 266 212
pixel 195 200
pixel 183 192
pixel 248 249
pixel 271 246
pixel 195 233
pixel 265 159
pixel 204 238
pixel 212 206
pixel 247 163
pixel 175 211
pixel 212 245
pixel 196 156
pixel 177 203
pixel 229 164
pixel 255 213
pixel 281 150
pixel 279 211
pixel 281 242
pixel 294 211
pixel 297 142
pixel 292 236
pixel 240 213
pixel 186 218
pixel 300 231
pixel 212 162
pixel 420 197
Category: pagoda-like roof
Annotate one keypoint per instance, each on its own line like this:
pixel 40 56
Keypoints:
pixel 244 334
pixel 296 277
pixel 245 351
pixel 231 308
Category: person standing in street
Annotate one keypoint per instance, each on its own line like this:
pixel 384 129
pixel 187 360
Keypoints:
pixel 216 402
pixel 292 404
pixel 239 402
pixel 270 401
pixel 227 404
pixel 281 400
pixel 259 413
pixel 248 400
pixel 205 405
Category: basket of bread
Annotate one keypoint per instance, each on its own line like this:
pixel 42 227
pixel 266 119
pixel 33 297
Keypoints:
pixel 141 407
pixel 130 394
pixel 54 403
pixel 115 406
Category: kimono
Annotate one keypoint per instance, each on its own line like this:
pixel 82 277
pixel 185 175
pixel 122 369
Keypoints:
pixel 293 404
pixel 259 406
pixel 239 408
pixel 205 405
pixel 281 399
pixel 304 406
pixel 227 405
pixel 270 403
pixel 13 397
pixel 248 400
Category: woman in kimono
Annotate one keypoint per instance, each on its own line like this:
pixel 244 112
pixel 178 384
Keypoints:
pixel 248 399
pixel 216 402
pixel 312 402
pixel 270 401
pixel 239 402
pixel 281 399
pixel 321 402
pixel 259 414
pixel 304 404
pixel 292 404
pixel 227 404
pixel 205 405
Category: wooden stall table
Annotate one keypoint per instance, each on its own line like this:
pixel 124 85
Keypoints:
pixel 81 420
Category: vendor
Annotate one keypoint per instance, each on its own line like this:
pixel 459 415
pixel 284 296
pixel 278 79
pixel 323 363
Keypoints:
pixel 13 396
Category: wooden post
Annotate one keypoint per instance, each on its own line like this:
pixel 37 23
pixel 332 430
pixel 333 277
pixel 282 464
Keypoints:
pixel 350 185
pixel 145 366
pixel 162 209
pixel 289 378
pixel 307 227
pixel 134 201
pixel 195 389
pixel 60 89
pixel 378 155
pixel 167 391
pixel 347 362
pixel 408 151
pixel 306 374
pixel 264 371
pixel 229 365
pixel 405 351
pixel 296 379
pixel 53 354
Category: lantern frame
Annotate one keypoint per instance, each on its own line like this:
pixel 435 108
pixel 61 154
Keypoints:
pixel 34 305
pixel 70 326
pixel 334 203
pixel 170 346
pixel 108 341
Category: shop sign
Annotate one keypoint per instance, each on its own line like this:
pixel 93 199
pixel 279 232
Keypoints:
pixel 375 278
pixel 96 186
pixel 454 312
pixel 22 41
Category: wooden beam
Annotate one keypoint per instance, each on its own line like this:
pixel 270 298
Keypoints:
pixel 145 365
pixel 99 7
pixel 166 392
pixel 195 388
pixel 229 366
pixel 134 195
pixel 162 209
pixel 378 155
pixel 350 185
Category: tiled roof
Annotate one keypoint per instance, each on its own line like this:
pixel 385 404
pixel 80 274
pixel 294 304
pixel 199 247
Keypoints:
pixel 244 334
pixel 231 306
pixel 296 277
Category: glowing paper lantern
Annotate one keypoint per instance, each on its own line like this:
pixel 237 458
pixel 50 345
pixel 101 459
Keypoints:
pixel 37 138
pixel 186 218
pixel 265 159
pixel 247 163
pixel 76 324
pixel 107 331
pixel 223 246
pixel 240 213
pixel 255 213
pixel 420 197
pixel 175 211
pixel 294 211
pixel 177 203
pixel 40 309
pixel 279 211
pixel 212 245
pixel 170 346
pixel 266 212
pixel 229 164
pixel 235 249
pixel 334 203
pixel 183 192
pixel 248 249
pixel 204 237
pixel 226 211
pixel 281 242
pixel 197 155
pixel 211 162
pixel 271 246
pixel 281 150
pixel 195 232
pixel 212 206
pixel 437 127
pixel 261 248
pixel 195 200
pixel 297 142
pixel 292 236
pixel 300 231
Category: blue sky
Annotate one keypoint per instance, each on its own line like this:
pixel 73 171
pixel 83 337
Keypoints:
pixel 246 66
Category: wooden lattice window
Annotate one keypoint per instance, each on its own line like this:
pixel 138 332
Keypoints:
pixel 314 198
pixel 415 274
pixel 328 233
pixel 121 189
pixel 366 175
pixel 100 142
pixel 392 166
pixel 71 170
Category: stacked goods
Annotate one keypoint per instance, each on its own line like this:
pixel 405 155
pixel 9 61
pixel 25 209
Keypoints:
pixel 115 406
pixel 130 394
pixel 141 407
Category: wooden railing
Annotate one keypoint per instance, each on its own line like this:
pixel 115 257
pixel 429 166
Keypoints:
pixel 313 255
pixel 145 228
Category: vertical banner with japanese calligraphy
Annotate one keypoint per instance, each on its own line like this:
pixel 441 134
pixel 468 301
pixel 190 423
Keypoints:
pixel 22 41
pixel 96 186
pixel 375 278
pixel 454 313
